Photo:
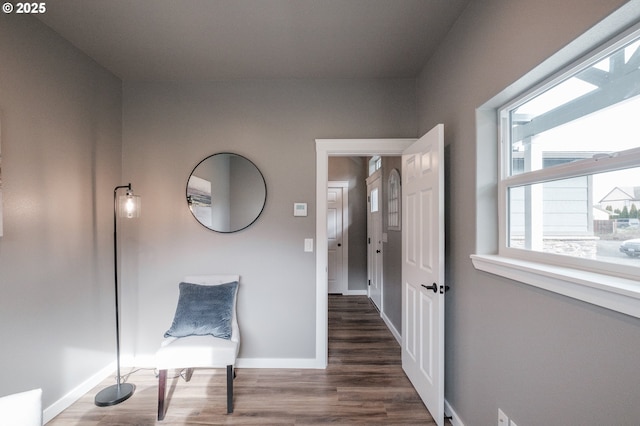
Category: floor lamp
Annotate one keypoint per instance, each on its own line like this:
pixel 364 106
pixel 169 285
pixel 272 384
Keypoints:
pixel 127 206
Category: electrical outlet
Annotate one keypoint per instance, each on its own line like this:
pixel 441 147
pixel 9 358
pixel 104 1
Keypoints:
pixel 503 420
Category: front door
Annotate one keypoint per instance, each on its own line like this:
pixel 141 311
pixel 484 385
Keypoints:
pixel 374 237
pixel 423 269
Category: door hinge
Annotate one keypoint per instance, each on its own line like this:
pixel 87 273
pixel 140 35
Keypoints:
pixel 369 282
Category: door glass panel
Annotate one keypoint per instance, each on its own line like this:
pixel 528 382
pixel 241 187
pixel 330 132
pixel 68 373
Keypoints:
pixel 374 200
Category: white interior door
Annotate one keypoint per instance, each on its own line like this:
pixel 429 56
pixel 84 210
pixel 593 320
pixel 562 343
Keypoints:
pixel 423 269
pixel 337 210
pixel 374 238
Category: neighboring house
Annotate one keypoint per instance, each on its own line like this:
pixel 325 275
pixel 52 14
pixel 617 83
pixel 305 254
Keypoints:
pixel 601 214
pixel 563 205
pixel 621 197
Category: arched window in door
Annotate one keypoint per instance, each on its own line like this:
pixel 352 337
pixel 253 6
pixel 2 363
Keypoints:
pixel 394 202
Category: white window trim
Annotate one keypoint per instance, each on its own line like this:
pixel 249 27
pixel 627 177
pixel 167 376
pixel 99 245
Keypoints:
pixel 616 293
pixel 619 293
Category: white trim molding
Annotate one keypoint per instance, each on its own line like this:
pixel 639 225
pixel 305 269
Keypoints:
pixel 302 363
pixel 76 393
pixel 615 293
pixel 356 293
pixel 449 412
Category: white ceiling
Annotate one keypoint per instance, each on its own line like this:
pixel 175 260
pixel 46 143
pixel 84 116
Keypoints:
pixel 255 39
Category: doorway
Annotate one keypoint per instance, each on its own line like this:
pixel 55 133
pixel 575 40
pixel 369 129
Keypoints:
pixel 422 258
pixel 325 148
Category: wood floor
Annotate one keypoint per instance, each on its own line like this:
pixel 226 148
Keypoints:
pixel 363 384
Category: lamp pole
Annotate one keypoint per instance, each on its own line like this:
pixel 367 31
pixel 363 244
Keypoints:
pixel 115 394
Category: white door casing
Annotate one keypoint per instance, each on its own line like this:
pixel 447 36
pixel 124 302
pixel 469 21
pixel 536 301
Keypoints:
pixel 423 269
pixel 374 238
pixel 337 236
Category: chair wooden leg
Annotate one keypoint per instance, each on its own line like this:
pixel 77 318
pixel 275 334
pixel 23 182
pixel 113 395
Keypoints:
pixel 188 374
pixel 230 376
pixel 162 385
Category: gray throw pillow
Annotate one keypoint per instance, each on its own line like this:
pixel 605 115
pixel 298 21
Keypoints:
pixel 204 310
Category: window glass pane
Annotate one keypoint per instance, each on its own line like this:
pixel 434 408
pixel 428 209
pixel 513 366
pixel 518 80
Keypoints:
pixel 374 200
pixel 585 216
pixel 375 163
pixel 594 111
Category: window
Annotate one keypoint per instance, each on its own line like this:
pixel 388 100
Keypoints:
pixel 375 163
pixel 569 179
pixel 394 201
pixel 571 163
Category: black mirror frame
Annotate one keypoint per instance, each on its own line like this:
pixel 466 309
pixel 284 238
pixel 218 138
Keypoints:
pixel 264 182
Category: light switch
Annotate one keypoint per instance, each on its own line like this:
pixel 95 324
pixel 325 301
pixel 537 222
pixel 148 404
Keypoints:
pixel 308 244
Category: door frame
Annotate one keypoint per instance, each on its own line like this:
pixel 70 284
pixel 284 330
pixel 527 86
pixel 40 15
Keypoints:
pixel 324 149
pixel 344 185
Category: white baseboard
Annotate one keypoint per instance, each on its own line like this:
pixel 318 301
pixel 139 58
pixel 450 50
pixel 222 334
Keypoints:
pixel 391 328
pixel 79 391
pixel 449 412
pixel 356 293
pixel 147 361
pixel 279 363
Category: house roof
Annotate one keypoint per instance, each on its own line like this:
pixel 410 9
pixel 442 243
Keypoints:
pixel 630 193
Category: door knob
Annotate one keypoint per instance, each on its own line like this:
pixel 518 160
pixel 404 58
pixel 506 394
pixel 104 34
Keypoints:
pixel 339 245
pixel 433 287
pixel 377 251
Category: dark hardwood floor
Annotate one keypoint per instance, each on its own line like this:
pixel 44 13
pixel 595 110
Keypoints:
pixel 363 384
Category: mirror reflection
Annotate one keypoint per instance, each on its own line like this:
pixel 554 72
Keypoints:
pixel 226 192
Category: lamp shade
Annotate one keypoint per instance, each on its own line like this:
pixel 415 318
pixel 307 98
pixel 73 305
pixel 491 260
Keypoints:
pixel 129 205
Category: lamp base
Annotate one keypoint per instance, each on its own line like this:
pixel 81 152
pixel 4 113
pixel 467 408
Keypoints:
pixel 114 394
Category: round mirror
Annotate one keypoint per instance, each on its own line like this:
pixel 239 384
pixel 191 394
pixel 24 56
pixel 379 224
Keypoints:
pixel 226 192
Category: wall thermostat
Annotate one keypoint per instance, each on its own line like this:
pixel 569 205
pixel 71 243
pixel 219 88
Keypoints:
pixel 299 209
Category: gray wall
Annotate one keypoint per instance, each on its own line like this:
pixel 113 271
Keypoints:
pixel 169 127
pixel 60 115
pixel 354 170
pixel 541 357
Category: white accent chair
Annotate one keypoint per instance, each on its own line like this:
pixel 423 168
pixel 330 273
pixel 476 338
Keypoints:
pixel 22 409
pixel 177 353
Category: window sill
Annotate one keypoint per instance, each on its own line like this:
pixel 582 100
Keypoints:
pixel 618 294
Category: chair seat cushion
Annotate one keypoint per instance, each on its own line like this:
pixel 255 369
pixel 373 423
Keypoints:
pixel 196 352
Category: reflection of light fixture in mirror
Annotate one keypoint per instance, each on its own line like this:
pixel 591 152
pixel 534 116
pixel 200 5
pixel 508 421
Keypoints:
pixel 127 207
